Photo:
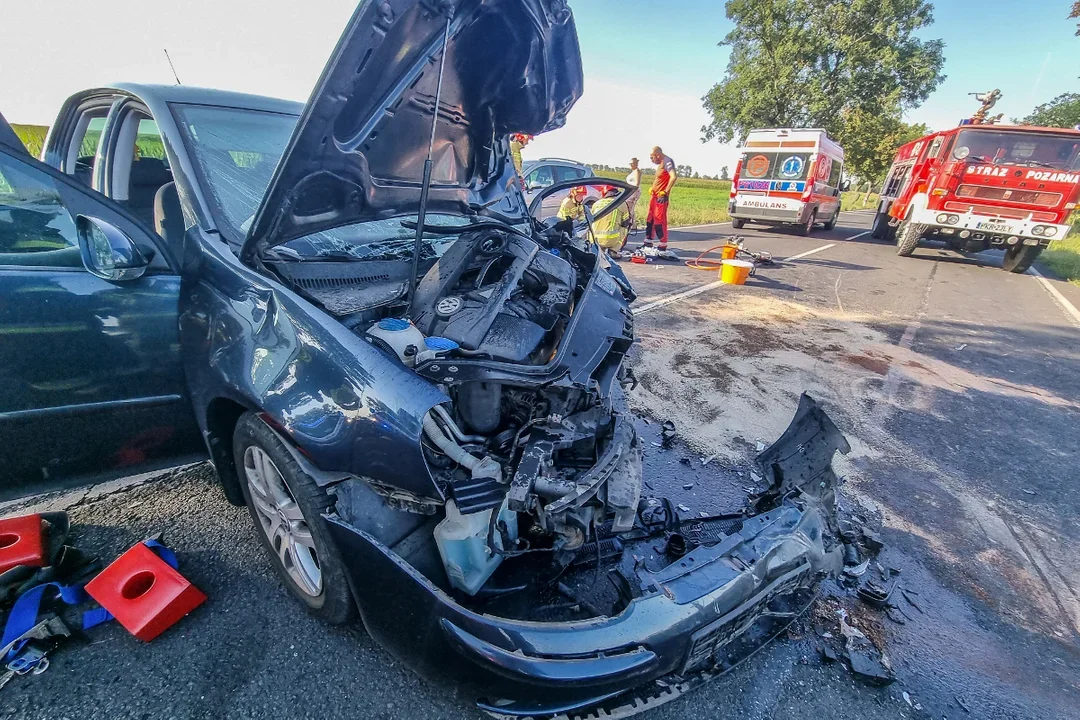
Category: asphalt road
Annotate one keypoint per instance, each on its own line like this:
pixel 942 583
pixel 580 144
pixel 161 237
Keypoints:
pixel 970 470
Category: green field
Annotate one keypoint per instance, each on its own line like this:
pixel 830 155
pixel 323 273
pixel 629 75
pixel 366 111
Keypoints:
pixel 33 137
pixel 698 202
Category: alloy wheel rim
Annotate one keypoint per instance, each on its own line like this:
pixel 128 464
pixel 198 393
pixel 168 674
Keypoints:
pixel 282 521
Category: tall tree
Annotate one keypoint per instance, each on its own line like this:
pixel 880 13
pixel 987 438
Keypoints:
pixel 1075 14
pixel 724 173
pixel 823 63
pixel 870 141
pixel 1063 112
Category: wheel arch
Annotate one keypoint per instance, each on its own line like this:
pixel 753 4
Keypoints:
pixel 222 414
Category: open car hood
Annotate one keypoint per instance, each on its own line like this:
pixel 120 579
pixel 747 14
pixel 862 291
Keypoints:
pixel 358 151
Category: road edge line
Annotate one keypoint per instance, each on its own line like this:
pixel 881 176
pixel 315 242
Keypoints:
pixel 1063 301
pixel 856 237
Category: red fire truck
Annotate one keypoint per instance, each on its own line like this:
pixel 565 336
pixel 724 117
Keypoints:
pixel 981 186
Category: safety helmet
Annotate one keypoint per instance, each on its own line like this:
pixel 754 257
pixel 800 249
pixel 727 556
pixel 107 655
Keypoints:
pixel 605 189
pixel 578 192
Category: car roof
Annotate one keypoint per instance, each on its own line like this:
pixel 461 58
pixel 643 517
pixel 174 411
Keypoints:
pixel 187 94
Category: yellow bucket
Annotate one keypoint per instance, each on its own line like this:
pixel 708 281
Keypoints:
pixel 735 272
pixel 729 252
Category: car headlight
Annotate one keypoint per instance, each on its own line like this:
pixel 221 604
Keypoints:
pixel 947 219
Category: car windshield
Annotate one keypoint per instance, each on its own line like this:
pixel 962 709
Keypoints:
pixel 236 151
pixel 389 239
pixel 775 166
pixel 1018 148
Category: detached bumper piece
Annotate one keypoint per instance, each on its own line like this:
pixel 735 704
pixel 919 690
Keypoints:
pixel 687 622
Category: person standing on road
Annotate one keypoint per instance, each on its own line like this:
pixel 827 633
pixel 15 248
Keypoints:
pixel 634 178
pixel 660 198
pixel 518 141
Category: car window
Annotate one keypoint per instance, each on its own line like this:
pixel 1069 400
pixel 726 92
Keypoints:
pixel 564 173
pixel 35 226
pixel 87 142
pixel 540 177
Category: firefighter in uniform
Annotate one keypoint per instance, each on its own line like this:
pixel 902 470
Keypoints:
pixel 573 206
pixel 609 232
pixel 517 142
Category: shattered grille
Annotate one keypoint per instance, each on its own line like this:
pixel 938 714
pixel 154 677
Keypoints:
pixel 330 283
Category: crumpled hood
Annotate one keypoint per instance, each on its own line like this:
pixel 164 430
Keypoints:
pixel 359 148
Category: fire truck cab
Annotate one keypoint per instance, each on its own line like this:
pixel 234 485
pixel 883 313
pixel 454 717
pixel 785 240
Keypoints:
pixel 983 186
pixel 787 176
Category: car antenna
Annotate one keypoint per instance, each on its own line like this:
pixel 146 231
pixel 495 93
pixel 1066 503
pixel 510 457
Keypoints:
pixel 421 215
pixel 171 67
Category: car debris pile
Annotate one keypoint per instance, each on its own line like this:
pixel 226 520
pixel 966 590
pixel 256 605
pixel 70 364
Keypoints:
pixel 43 580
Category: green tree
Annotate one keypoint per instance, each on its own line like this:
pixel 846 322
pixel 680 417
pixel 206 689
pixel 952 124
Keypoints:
pixel 724 173
pixel 1076 14
pixel 1063 112
pixel 870 141
pixel 823 63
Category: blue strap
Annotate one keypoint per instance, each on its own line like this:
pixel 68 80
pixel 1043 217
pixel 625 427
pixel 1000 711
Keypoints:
pixel 24 613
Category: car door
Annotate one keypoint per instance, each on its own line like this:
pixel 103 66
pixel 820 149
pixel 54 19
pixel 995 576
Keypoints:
pixel 91 379
pixel 537 179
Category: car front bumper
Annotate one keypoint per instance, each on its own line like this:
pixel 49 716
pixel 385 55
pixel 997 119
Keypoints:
pixel 994 230
pixel 682 621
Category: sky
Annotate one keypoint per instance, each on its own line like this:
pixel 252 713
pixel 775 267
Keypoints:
pixel 647 62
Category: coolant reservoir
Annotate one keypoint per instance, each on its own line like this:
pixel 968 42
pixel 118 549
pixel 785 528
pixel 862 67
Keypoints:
pixel 462 541
pixel 399 335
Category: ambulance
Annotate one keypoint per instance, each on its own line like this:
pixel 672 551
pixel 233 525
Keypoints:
pixel 787 176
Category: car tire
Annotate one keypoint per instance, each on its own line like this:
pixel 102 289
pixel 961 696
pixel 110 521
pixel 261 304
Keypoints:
pixel 832 223
pixel 907 238
pixel 287 506
pixel 807 228
pixel 738 223
pixel 1018 258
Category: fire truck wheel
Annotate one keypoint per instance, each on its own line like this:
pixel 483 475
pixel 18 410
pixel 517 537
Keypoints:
pixel 811 221
pixel 738 223
pixel 880 226
pixel 907 238
pixel 1018 258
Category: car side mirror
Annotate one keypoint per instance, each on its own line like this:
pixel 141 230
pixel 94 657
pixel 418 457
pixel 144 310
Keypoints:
pixel 107 251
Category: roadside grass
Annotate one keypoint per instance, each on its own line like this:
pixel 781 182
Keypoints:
pixel 1063 256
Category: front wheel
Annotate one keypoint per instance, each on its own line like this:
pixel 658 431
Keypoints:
pixel 287 506
pixel 907 238
pixel 808 227
pixel 738 223
pixel 1018 258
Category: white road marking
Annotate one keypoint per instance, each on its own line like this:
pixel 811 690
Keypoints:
pixel 676 297
pixel 883 409
pixel 856 237
pixel 662 300
pixel 1067 306
pixel 692 227
pixel 808 253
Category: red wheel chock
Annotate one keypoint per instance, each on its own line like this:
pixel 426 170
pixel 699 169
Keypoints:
pixel 22 542
pixel 144 593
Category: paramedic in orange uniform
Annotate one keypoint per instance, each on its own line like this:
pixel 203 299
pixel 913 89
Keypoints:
pixel 656 226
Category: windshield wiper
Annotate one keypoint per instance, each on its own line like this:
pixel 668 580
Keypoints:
pixel 1040 163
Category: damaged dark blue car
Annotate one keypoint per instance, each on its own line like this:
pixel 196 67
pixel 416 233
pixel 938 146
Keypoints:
pixel 416 386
